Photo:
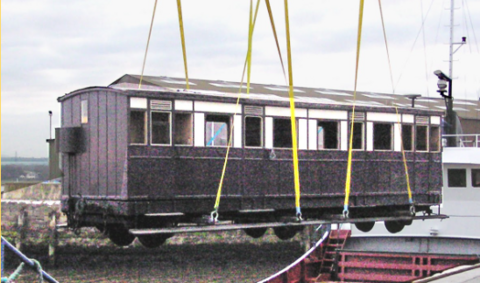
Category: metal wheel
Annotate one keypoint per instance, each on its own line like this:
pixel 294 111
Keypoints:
pixel 394 226
pixel 365 226
pixel 153 241
pixel 255 232
pixel 285 233
pixel 119 235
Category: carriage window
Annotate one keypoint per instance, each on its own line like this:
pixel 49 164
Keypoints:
pixel 421 138
pixel 382 136
pixel 434 138
pixel 357 135
pixel 137 127
pixel 327 133
pixel 217 130
pixel 84 111
pixel 476 178
pixel 407 137
pixel 160 128
pixel 253 131
pixel 183 129
pixel 282 133
pixel 457 178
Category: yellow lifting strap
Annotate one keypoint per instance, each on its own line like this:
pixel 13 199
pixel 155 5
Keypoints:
pixel 214 214
pixel 148 42
pixel 251 26
pixel 349 164
pixel 296 174
pixel 182 35
pixel 410 198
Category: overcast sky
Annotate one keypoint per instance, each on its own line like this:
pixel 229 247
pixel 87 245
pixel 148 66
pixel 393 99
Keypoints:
pixel 50 48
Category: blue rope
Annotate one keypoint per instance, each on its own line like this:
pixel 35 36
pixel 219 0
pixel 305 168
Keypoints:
pixel 216 134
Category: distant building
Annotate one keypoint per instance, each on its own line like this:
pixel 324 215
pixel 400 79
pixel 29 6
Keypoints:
pixel 30 175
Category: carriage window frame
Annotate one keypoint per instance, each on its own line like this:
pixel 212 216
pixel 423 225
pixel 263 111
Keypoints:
pixel 475 178
pixel 210 118
pixel 457 177
pixel 143 128
pixel 329 136
pixel 180 136
pixel 283 137
pixel 418 137
pixel 434 139
pixel 362 134
pixel 152 125
pixel 378 141
pixel 411 139
pixel 246 130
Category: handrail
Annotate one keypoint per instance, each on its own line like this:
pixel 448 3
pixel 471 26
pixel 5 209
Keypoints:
pixel 464 140
pixel 28 261
pixel 296 262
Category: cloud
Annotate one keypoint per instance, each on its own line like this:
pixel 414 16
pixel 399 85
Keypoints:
pixel 50 48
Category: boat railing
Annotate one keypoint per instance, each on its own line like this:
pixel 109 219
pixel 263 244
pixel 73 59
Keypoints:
pixel 463 140
pixel 33 264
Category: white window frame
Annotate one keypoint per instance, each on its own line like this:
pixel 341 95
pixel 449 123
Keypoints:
pixel 169 128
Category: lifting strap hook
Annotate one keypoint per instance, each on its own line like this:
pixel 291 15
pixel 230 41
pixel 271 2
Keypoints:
pixel 299 215
pixel 345 212
pixel 214 217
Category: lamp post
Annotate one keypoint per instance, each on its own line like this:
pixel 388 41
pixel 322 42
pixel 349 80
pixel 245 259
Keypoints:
pixel 413 97
pixel 443 82
pixel 50 114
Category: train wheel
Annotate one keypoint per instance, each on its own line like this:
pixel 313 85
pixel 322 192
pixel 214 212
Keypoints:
pixel 365 226
pixel 152 241
pixel 285 233
pixel 394 226
pixel 119 235
pixel 255 232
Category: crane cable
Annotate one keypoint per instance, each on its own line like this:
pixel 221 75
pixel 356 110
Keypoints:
pixel 182 37
pixel 251 26
pixel 272 23
pixel 386 45
pixel 407 177
pixel 148 42
pixel 296 174
pixel 349 163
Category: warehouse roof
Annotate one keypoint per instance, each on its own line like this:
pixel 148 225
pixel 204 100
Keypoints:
pixel 467 109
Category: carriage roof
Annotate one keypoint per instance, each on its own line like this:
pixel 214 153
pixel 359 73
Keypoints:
pixel 267 93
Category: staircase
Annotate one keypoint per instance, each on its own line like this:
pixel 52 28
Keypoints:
pixel 329 262
pixel 336 240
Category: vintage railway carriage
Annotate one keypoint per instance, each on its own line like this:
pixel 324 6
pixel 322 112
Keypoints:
pixel 153 157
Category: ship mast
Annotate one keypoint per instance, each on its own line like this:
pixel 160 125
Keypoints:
pixel 464 39
pixel 445 80
pixel 452 22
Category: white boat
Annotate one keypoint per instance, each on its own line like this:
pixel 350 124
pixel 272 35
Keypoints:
pixel 460 233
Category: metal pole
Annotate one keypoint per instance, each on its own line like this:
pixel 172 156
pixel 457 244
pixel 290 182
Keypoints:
pixel 3 253
pixel 450 113
pixel 26 260
pixel 452 7
pixel 50 114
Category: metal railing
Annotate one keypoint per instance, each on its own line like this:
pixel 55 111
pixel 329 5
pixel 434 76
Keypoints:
pixel 29 262
pixel 463 140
